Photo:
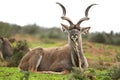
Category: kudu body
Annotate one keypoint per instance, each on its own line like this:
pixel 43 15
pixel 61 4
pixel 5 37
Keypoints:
pixel 60 59
pixel 6 48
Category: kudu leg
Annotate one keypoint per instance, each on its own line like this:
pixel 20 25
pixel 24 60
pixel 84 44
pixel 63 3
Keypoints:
pixel 34 62
pixel 53 72
pixel 85 65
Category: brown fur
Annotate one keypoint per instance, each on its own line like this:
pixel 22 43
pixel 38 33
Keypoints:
pixel 6 48
pixel 53 59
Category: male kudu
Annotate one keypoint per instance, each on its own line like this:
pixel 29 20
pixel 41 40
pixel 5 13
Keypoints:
pixel 60 59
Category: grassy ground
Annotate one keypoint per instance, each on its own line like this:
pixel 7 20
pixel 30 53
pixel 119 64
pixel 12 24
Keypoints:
pixel 14 74
pixel 100 58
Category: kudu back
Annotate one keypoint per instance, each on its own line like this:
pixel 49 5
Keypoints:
pixel 60 59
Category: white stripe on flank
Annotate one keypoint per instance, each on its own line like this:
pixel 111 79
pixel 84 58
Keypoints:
pixel 39 60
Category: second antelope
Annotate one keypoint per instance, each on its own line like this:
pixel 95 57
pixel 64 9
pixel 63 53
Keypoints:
pixel 6 48
pixel 60 60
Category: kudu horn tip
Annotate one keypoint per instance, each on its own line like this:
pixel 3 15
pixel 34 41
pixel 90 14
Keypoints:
pixel 87 10
pixel 63 8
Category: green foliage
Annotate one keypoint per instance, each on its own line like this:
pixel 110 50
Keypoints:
pixel 90 74
pixel 18 52
pixel 98 74
pixel 98 38
pixel 114 72
pixel 76 74
pixel 5 29
pixel 14 74
pixel 16 29
pixel 30 29
pixel 107 38
pixel 25 76
pixel 52 33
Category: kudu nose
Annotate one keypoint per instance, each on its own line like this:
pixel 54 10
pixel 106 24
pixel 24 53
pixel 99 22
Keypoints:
pixel 74 37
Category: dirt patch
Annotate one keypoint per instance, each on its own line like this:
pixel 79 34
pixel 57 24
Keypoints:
pixel 94 50
pixel 100 54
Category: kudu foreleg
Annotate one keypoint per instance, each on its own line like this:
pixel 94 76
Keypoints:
pixel 85 64
pixel 34 62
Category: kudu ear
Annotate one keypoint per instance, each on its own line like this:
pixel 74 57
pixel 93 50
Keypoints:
pixel 64 27
pixel 85 30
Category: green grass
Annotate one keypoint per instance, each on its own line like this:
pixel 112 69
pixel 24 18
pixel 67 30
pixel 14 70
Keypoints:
pixel 47 43
pixel 88 55
pixel 14 74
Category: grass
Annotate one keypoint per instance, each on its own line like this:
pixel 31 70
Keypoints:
pixel 13 73
pixel 88 55
pixel 46 43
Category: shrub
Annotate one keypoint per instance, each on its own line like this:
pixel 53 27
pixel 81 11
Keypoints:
pixel 18 52
pixel 98 37
pixel 108 38
pixel 77 75
pixel 114 72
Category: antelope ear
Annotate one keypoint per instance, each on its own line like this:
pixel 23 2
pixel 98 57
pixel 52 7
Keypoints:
pixel 64 27
pixel 85 30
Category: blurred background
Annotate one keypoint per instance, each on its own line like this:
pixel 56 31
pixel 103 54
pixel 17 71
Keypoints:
pixel 42 19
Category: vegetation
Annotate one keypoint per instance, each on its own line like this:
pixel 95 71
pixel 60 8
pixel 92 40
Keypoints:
pixel 8 30
pixel 107 38
pixel 19 50
pixel 100 56
pixel 114 72
pixel 99 70
pixel 15 74
pixel 90 74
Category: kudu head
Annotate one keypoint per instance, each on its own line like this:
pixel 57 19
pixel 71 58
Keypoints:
pixel 75 30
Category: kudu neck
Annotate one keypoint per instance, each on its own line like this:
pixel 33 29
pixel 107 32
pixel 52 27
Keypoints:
pixel 77 51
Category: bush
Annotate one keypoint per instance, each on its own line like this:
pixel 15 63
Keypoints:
pixel 98 37
pixel 114 72
pixel 107 38
pixel 78 75
pixel 18 52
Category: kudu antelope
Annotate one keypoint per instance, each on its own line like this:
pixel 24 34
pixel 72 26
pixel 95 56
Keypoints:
pixel 6 48
pixel 59 59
